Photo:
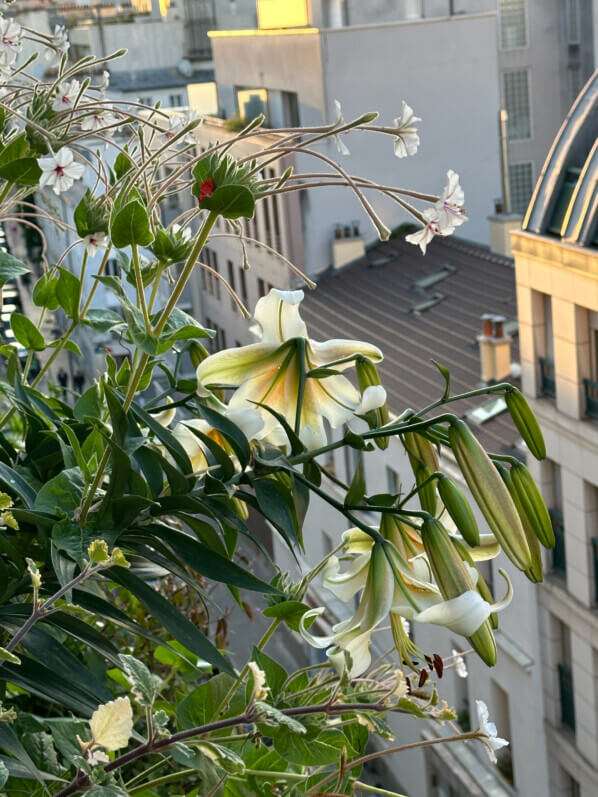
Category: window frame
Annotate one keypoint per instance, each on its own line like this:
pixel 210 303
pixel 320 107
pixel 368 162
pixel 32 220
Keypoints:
pixel 526 24
pixel 528 72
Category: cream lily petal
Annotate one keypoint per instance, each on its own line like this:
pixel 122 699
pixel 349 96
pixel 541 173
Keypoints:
pixel 249 421
pixel 191 443
pixel 358 647
pixel 348 583
pixel 374 397
pixel 166 417
pixel 334 397
pixel 357 541
pixel 313 436
pixel 277 313
pixel 235 366
pixel 337 349
pixel 312 639
pixel 463 615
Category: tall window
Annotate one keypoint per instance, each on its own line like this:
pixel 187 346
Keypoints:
pixel 231 281
pixel 517 104
pixel 243 285
pixel 565 674
pixel 574 81
pixel 513 27
pixel 522 185
pixel 572 21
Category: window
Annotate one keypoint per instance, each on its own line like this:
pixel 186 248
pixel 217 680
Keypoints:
pixel 146 100
pixel 261 287
pixel 522 184
pixel 571 786
pixel 231 282
pixel 281 108
pixel 565 674
pixel 574 81
pixel 276 219
pixel 175 100
pixel 215 280
pixel 572 7
pixel 501 715
pixel 112 268
pixel 393 482
pixel 513 28
pixel 517 104
pixel 243 286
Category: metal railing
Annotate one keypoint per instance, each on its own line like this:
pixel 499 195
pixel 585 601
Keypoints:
pixel 559 560
pixel 591 393
pixel 547 377
pixel 566 695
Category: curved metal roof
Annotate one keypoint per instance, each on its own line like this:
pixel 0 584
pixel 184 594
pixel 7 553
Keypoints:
pixel 565 199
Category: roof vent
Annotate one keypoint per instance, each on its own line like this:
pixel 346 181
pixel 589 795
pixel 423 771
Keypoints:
pixel 431 279
pixel 420 308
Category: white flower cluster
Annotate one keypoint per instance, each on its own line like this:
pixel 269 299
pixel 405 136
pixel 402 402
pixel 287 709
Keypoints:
pixel 444 216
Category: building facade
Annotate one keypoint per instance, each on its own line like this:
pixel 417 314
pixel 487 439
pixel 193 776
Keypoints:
pixel 556 263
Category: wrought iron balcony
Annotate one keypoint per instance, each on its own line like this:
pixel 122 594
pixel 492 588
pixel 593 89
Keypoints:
pixel 591 391
pixel 567 696
pixel 559 560
pixel 547 377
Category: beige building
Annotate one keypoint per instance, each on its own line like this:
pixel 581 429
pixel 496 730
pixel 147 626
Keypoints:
pixel 556 263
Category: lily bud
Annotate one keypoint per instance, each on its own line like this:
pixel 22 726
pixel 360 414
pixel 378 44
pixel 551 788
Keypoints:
pixel 490 493
pixel 535 572
pixel 533 504
pixel 458 508
pixel 367 376
pixel 424 462
pixel 454 579
pixel 526 423
pixel 197 353
pixel 240 508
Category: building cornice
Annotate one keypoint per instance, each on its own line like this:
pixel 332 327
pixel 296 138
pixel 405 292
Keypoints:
pixel 554 252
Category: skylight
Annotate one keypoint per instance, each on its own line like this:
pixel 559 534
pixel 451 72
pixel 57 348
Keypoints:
pixel 431 279
pixel 420 308
pixel 488 410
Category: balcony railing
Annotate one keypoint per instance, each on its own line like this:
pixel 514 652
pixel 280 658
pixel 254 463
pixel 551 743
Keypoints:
pixel 547 377
pixel 566 695
pixel 559 561
pixel 591 391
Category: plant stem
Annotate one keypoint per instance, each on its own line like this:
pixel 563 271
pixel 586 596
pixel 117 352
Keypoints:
pixel 171 778
pixel 140 288
pixel 5 191
pixel 376 790
pixel 482 391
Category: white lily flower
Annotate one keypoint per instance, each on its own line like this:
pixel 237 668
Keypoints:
pixel 407 141
pixel 95 241
pixel 450 209
pixel 167 416
pixel 412 595
pixel 459 664
pixel 340 144
pixel 67 94
pixel 268 372
pixel 11 41
pixel 423 237
pixel 60 170
pixel 98 120
pixel 492 741
pixel 60 45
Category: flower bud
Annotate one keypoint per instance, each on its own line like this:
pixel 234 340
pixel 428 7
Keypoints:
pixel 424 462
pixel 535 572
pixel 453 579
pixel 490 493
pixel 481 585
pixel 458 508
pixel 367 376
pixel 240 508
pixel 427 489
pixel 533 504
pixel 526 423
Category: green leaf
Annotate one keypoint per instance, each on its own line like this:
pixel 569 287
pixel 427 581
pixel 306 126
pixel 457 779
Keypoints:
pixel 325 748
pixel 88 405
pixel 102 319
pixel 16 148
pixel 40 747
pixel 289 611
pixel 15 483
pixel 202 705
pixel 64 732
pixel 272 499
pixel 131 225
pixel 357 488
pixel 67 292
pixel 10 267
pixel 166 437
pixel 61 494
pixel 277 718
pixel 6 655
pixel 230 201
pixel 25 171
pixel 173 621
pixel 276 674
pixel 221 756
pixel 26 332
pixel 11 744
pixel 4 774
pixel 122 164
pixel 145 685
pixel 447 379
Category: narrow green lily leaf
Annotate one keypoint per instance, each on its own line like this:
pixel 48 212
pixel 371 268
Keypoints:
pixel 10 268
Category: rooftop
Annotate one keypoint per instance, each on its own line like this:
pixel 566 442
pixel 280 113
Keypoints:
pixel 162 78
pixel 418 308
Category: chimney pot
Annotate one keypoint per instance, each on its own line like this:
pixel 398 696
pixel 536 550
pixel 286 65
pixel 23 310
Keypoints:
pixel 487 325
pixel 499 327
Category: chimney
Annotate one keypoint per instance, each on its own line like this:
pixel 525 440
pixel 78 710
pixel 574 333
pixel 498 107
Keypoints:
pixel 503 221
pixel 495 349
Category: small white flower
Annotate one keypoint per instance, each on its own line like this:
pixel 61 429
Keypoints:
pixel 186 234
pixel 260 690
pixel 491 741
pixel 67 94
pixel 11 41
pixel 97 757
pixel 112 724
pixel 407 140
pixel 459 664
pixel 105 81
pixel 340 144
pixel 450 209
pixel 59 45
pixel 60 171
pixel 175 126
pixel 95 241
pixel 423 237
pixel 98 120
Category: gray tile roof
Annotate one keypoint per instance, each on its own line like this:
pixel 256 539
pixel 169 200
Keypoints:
pixel 368 302
pixel 163 78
